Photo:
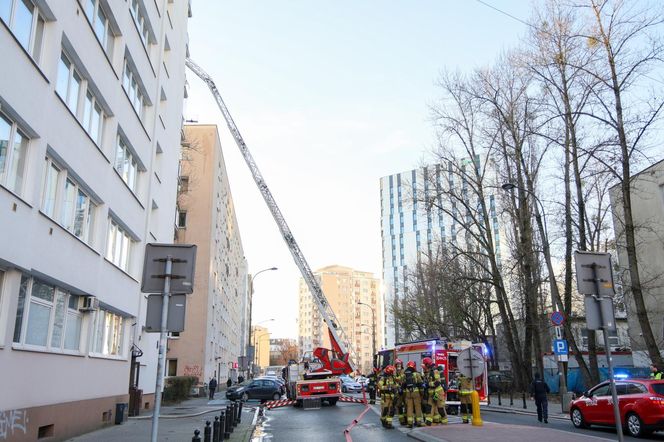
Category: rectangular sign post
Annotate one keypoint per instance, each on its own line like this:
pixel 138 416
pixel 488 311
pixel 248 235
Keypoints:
pixel 177 262
pixel 594 278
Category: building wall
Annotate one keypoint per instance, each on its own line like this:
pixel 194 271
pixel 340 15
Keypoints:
pixel 344 288
pixel 212 340
pixel 261 342
pixel 648 213
pixel 409 230
pixel 72 114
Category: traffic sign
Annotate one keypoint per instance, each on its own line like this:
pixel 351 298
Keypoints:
pixel 557 318
pixel 560 347
pixel 470 363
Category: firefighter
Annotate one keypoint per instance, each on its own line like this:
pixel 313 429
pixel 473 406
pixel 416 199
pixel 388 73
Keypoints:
pixel 371 386
pixel 465 390
pixel 388 389
pixel 399 399
pixel 434 394
pixel 412 382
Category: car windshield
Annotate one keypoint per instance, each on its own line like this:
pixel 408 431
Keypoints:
pixel 658 388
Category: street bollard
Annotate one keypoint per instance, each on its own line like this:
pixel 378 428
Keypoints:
pixel 197 436
pixel 239 413
pixel 229 419
pixel 233 413
pixel 511 398
pixel 207 432
pixel 224 426
pixel 500 402
pixel 236 414
pixel 215 430
pixel 475 406
pixel 524 400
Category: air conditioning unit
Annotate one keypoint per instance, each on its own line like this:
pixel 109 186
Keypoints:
pixel 88 304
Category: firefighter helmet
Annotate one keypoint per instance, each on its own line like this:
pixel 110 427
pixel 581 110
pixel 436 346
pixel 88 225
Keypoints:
pixel 398 362
pixel 389 370
pixel 412 364
pixel 427 362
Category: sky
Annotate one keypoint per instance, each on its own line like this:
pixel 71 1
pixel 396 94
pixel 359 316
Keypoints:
pixel 329 97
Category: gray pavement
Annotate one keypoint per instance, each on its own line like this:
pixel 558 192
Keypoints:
pixel 177 423
pixel 503 404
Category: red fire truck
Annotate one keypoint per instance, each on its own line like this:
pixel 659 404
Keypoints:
pixel 445 354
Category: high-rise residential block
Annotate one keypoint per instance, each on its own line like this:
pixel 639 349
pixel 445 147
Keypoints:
pixel 356 299
pixel 91 97
pixel 213 338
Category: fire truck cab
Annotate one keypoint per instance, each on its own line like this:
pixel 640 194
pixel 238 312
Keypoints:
pixel 445 355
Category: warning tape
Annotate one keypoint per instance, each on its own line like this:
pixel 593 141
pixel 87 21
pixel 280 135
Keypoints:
pixel 352 400
pixel 279 403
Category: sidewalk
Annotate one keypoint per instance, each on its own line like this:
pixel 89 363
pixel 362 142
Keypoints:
pixel 497 432
pixel 177 422
pixel 555 410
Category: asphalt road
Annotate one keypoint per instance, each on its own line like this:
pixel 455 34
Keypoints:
pixel 519 419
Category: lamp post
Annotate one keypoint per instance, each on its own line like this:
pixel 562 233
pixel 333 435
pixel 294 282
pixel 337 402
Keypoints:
pixel 251 301
pixel 541 221
pixel 373 330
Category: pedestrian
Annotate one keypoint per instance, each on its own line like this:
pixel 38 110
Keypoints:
pixel 411 387
pixel 655 373
pixel 539 390
pixel 240 379
pixel 229 382
pixel 388 389
pixel 212 386
pixel 433 395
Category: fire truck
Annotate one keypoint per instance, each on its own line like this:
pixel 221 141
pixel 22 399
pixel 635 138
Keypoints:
pixel 307 385
pixel 445 354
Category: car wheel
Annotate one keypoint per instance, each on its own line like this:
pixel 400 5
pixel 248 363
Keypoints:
pixel 333 401
pixel 276 396
pixel 634 425
pixel 577 419
pixel 245 397
pixel 344 389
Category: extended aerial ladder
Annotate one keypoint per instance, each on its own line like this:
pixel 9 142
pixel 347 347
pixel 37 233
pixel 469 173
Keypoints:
pixel 340 342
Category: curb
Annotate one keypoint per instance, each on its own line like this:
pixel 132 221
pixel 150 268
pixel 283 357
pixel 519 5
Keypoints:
pixel 171 416
pixel 423 437
pixel 525 413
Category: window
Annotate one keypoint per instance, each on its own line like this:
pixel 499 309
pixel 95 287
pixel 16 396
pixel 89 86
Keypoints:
pixel 64 200
pixel 182 219
pixel 172 367
pixel 133 89
pixel 22 17
pixel 118 247
pixel 125 164
pixel 602 390
pixel 108 334
pixel 141 21
pixel 69 82
pixel 47 317
pixel 13 152
pixel 99 21
pixel 93 117
pixel 184 184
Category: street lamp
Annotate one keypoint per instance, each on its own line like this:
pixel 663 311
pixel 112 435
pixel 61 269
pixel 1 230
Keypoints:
pixel 251 300
pixel 373 330
pixel 541 220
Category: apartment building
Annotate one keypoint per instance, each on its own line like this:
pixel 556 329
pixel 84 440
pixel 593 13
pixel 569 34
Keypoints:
pixel 260 338
pixel 409 228
pixel 344 288
pixel 647 198
pixel 91 103
pixel 216 311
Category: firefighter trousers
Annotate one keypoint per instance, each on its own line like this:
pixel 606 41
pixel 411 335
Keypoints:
pixel 466 408
pixel 435 407
pixel 400 407
pixel 387 409
pixel 413 407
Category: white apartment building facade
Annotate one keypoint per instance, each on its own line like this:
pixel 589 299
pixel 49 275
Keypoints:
pixel 344 288
pixel 408 229
pixel 214 336
pixel 91 98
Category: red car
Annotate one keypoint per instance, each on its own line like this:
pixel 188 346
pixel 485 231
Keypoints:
pixel 641 404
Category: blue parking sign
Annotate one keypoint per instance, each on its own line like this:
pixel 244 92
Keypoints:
pixel 560 347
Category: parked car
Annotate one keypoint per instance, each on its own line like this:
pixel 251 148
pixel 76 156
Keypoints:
pixel 499 382
pixel 263 389
pixel 348 385
pixel 363 381
pixel 641 405
pixel 280 381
